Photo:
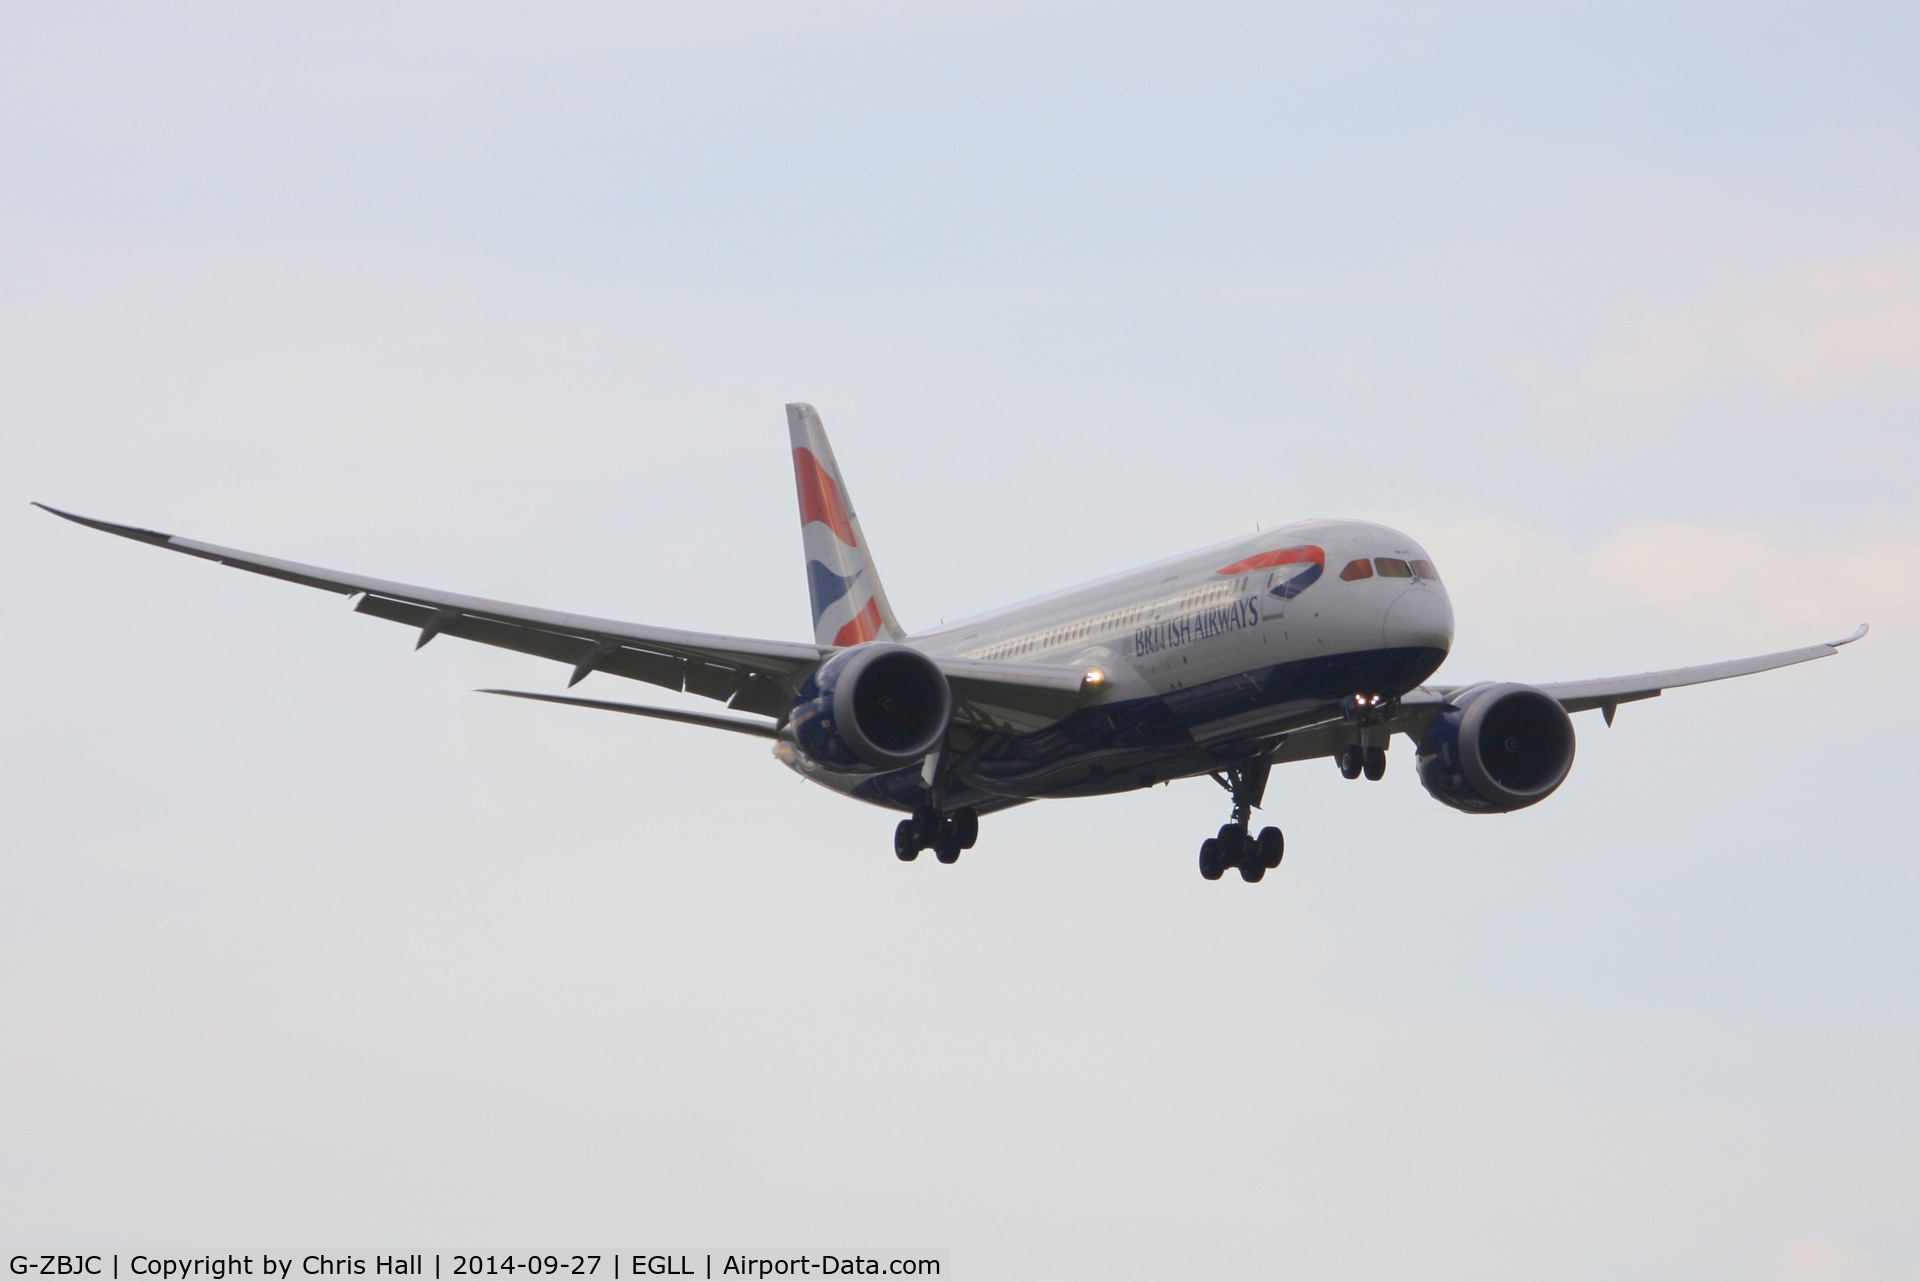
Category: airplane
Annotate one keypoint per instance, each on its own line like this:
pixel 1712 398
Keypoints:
pixel 1298 642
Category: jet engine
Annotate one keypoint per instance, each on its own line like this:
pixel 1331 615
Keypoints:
pixel 874 707
pixel 1495 749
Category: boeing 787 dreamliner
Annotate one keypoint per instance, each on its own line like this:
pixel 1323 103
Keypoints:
pixel 1303 641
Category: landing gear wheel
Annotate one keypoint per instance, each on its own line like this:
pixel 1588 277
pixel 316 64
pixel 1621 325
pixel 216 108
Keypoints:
pixel 1236 846
pixel 906 841
pixel 1272 846
pixel 966 826
pixel 947 849
pixel 1211 864
pixel 1352 761
pixel 1376 764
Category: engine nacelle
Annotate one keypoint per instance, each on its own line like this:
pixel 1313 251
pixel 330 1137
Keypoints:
pixel 1499 748
pixel 877 706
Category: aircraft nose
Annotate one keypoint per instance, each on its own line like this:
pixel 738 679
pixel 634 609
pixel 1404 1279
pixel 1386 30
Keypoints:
pixel 1419 618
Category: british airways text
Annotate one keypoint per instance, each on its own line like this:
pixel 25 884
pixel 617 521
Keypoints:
pixel 1198 626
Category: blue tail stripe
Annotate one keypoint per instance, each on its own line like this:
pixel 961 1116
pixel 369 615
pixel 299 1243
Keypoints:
pixel 826 587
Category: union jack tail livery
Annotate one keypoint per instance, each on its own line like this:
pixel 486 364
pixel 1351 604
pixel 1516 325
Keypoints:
pixel 849 605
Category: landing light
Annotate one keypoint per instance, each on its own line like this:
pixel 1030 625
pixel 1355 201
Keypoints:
pixel 1363 707
pixel 1095 677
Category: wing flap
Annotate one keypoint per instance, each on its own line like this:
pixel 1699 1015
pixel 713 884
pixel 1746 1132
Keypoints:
pixel 741 686
pixel 469 627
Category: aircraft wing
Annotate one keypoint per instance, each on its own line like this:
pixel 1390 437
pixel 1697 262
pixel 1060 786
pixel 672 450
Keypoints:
pixel 1607 693
pixel 751 675
pixel 1418 707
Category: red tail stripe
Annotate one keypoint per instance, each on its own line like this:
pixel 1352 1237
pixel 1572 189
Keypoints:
pixel 820 497
pixel 865 626
pixel 1286 556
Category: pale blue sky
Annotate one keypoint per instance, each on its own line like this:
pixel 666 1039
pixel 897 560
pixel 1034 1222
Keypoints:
pixel 1616 308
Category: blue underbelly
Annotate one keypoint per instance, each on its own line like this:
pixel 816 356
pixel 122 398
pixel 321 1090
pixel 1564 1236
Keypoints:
pixel 1135 743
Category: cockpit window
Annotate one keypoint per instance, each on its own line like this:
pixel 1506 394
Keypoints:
pixel 1425 570
pixel 1392 567
pixel 1361 569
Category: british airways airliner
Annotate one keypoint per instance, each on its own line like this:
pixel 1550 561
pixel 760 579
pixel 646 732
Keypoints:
pixel 1303 641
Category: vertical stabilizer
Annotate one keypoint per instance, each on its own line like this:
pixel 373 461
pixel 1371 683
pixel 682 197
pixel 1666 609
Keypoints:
pixel 849 605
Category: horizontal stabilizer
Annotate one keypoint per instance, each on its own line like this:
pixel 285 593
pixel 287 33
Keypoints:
pixel 739 725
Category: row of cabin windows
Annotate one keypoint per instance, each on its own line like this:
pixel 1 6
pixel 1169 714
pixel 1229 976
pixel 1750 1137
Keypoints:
pixel 1118 619
pixel 1058 636
pixel 1386 567
pixel 1389 567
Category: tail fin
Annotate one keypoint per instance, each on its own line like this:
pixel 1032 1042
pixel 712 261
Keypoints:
pixel 849 605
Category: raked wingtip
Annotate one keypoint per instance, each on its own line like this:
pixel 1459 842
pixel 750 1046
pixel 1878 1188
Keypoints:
pixel 1849 640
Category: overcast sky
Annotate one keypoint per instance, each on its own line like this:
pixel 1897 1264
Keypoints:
pixel 1615 308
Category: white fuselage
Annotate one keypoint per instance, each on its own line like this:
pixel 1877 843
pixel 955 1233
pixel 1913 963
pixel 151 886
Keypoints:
pixel 1174 624
pixel 1224 642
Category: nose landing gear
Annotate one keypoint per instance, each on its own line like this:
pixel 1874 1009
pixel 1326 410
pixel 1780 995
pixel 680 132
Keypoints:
pixel 1364 756
pixel 1236 846
pixel 1355 760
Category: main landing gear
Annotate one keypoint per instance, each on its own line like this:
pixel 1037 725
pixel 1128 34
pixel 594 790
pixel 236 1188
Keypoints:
pixel 945 834
pixel 1235 846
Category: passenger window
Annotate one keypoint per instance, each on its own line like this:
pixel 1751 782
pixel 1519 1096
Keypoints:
pixel 1425 570
pixel 1361 569
pixel 1392 567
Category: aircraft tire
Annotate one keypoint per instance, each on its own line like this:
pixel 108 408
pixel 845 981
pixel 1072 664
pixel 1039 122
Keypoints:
pixel 1272 845
pixel 1211 864
pixel 906 841
pixel 1351 761
pixel 1376 764
pixel 947 849
pixel 1252 870
pixel 966 826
